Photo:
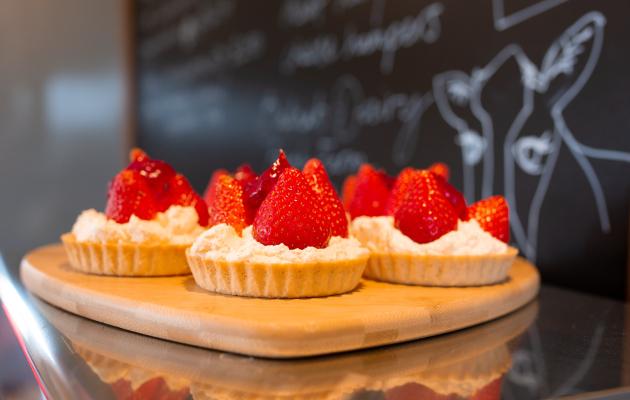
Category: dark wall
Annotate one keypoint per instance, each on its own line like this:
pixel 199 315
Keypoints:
pixel 525 98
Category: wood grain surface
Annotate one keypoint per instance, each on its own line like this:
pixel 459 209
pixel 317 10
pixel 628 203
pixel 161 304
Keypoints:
pixel 174 308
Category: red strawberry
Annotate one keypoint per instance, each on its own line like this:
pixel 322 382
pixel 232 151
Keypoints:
pixel 291 214
pixel 226 204
pixel 129 194
pixel 440 169
pixel 157 172
pixel 407 178
pixel 403 182
pixel 181 193
pixel 454 196
pixel 347 191
pixel 493 215
pixel 245 174
pixel 201 208
pixel 425 214
pixel 389 180
pixel 316 175
pixel 148 186
pixel 207 195
pixel 370 194
pixel 257 190
pixel 492 391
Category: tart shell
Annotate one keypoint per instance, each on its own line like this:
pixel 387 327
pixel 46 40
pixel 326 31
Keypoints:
pixel 125 259
pixel 277 280
pixel 440 270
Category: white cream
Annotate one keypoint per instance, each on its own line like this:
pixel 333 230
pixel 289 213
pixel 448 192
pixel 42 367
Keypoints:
pixel 222 242
pixel 380 235
pixel 177 225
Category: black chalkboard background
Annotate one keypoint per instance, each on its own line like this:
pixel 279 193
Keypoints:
pixel 522 97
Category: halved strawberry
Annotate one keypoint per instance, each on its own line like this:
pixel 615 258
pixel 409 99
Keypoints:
pixel 493 215
pixel 226 205
pixel 181 193
pixel 257 190
pixel 347 190
pixel 148 186
pixel 371 192
pixel 129 194
pixel 403 182
pixel 245 174
pixel 157 172
pixel 291 214
pixel 316 175
pixel 424 213
pixel 440 169
pixel 208 193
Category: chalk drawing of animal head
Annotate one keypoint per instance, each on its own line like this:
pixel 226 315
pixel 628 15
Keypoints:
pixel 458 96
pixel 539 131
pixel 454 91
pixel 461 90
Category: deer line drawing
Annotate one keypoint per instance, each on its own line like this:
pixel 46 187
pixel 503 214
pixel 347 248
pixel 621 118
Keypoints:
pixel 462 88
pixel 535 155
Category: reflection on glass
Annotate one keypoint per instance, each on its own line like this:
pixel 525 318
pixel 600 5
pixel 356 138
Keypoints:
pixel 469 364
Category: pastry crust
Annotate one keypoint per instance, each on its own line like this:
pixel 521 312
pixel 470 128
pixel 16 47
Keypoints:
pixel 125 259
pixel 277 280
pixel 440 270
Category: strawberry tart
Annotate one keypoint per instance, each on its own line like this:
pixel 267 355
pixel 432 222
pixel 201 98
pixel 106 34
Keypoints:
pixel 283 234
pixel 152 216
pixel 420 231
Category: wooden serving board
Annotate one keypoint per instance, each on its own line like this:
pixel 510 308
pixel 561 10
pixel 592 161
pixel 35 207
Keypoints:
pixel 174 308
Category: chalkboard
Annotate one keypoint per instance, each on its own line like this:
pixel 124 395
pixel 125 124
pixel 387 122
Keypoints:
pixel 528 98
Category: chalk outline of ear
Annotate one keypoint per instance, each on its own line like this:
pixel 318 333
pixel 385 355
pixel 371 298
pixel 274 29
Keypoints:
pixel 580 151
pixel 597 21
pixel 476 81
pixel 503 22
pixel 454 121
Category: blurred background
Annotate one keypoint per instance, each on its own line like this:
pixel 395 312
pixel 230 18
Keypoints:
pixel 61 115
pixel 524 98
pixel 61 131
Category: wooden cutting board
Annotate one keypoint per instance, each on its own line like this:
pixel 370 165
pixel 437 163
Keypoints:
pixel 174 308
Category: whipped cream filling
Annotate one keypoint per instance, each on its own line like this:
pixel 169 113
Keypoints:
pixel 222 242
pixel 177 225
pixel 381 236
